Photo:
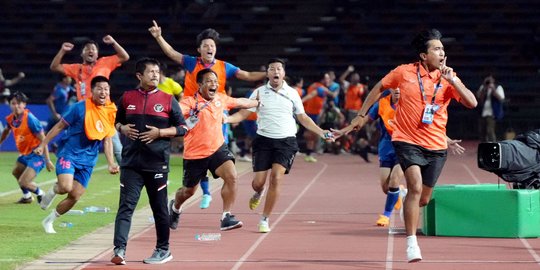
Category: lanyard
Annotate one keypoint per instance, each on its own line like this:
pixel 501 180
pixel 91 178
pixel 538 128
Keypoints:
pixel 197 110
pixel 283 95
pixel 81 82
pixel 422 86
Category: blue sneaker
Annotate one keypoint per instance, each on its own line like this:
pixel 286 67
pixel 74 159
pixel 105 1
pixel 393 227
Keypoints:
pixel 205 201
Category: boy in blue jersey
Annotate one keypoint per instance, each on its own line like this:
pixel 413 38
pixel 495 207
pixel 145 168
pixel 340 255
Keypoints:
pixel 87 123
pixel 28 134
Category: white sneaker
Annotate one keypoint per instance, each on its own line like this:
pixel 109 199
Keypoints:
pixel 47 224
pixel 263 226
pixel 46 200
pixel 414 254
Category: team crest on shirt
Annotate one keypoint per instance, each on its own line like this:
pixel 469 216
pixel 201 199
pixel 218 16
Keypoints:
pixel 131 107
pixel 99 126
pixel 158 108
pixel 218 103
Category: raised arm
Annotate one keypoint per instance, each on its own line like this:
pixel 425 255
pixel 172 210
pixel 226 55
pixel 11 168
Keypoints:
pixel 250 76
pixel 56 64
pixel 15 80
pixel 155 30
pixel 467 97
pixel 122 54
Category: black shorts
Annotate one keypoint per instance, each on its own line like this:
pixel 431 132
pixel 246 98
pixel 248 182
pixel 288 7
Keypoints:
pixel 268 151
pixel 195 169
pixel 431 162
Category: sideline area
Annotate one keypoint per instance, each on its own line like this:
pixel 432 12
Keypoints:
pixel 80 251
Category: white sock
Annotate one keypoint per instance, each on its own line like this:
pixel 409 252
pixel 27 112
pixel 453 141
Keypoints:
pixel 40 193
pixel 27 195
pixel 411 240
pixel 178 211
pixel 224 214
pixel 51 193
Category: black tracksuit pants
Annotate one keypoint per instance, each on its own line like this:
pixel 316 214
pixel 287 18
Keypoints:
pixel 131 184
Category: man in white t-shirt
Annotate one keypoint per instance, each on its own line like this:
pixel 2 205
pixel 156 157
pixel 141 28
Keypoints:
pixel 491 96
pixel 275 146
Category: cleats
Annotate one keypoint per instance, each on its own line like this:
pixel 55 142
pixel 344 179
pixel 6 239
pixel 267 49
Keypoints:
pixel 24 200
pixel 310 159
pixel 383 221
pixel 205 201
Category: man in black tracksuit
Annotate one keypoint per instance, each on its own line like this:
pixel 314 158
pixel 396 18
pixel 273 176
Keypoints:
pixel 147 118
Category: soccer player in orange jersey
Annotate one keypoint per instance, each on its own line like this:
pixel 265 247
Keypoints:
pixel 28 134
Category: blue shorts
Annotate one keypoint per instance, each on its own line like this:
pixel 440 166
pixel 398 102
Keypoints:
pixel 81 173
pixel 32 160
pixel 388 161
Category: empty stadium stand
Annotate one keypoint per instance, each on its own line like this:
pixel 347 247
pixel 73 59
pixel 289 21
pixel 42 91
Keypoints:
pixel 480 36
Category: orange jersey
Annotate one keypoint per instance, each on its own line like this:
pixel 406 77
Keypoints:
pixel 408 120
pixel 190 84
pixel 353 97
pixel 387 113
pixel 315 104
pixel 83 74
pixel 206 137
pixel 25 140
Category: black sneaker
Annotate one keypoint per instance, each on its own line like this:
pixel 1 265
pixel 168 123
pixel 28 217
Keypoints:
pixel 159 256
pixel 39 197
pixel 119 256
pixel 174 217
pixel 229 223
pixel 24 200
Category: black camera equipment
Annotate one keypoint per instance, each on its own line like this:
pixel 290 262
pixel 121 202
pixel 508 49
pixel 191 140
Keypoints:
pixel 515 161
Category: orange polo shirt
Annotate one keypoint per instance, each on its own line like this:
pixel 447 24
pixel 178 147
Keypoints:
pixel 206 137
pixel 408 120
pixel 85 73
pixel 353 98
pixel 314 105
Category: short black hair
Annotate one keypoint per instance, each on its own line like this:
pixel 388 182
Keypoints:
pixel 90 41
pixel 200 74
pixel 140 66
pixel 208 33
pixel 98 79
pixel 275 60
pixel 19 96
pixel 420 41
